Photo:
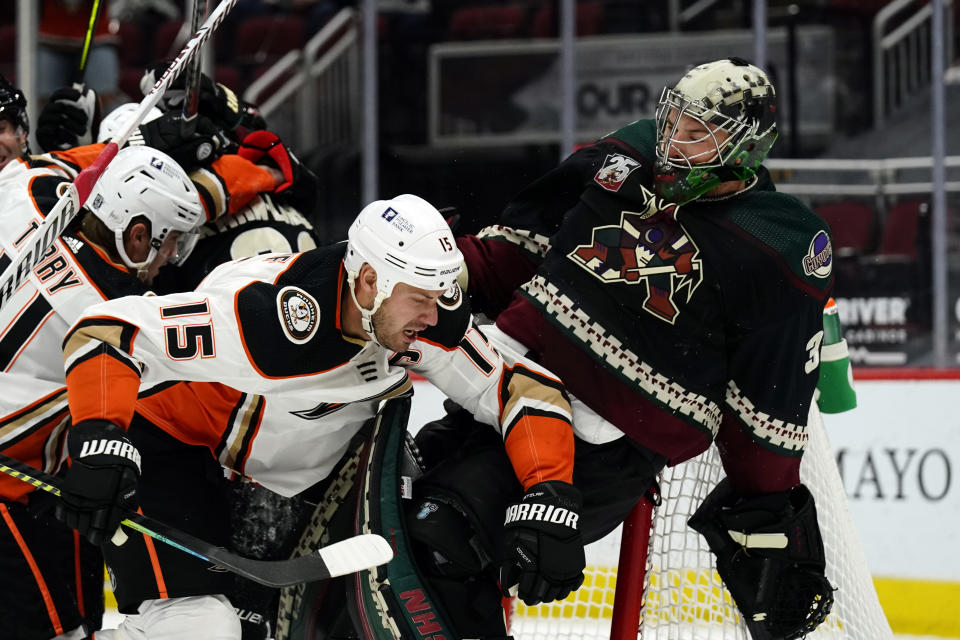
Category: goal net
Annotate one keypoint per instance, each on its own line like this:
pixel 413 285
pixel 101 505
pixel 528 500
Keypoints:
pixel 665 571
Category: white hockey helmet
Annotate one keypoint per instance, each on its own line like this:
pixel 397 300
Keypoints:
pixel 405 239
pixel 142 181
pixel 116 119
pixel 731 95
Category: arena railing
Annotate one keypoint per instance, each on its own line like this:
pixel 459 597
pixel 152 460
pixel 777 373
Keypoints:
pixel 312 95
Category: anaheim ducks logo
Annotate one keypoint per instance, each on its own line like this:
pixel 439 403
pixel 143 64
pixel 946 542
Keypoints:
pixel 649 249
pixel 452 298
pixel 299 314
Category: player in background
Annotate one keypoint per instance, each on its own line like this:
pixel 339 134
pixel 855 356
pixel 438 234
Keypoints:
pixel 14 123
pixel 678 296
pixel 142 212
pixel 269 368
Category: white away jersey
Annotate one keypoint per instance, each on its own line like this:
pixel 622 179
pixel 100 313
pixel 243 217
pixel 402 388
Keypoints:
pixel 277 390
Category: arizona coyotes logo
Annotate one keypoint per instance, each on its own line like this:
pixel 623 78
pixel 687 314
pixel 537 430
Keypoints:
pixel 649 249
pixel 614 171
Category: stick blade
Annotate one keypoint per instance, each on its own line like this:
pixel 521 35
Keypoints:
pixel 354 554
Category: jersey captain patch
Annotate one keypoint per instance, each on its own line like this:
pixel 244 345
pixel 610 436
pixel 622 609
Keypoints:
pixel 819 259
pixel 299 314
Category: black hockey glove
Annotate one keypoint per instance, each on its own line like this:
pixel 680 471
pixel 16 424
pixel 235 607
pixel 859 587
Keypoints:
pixel 216 101
pixel 101 484
pixel 165 133
pixel 70 119
pixel 300 186
pixel 543 548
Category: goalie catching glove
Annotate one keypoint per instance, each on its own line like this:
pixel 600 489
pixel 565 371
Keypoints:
pixel 69 119
pixel 543 548
pixel 101 484
pixel 770 555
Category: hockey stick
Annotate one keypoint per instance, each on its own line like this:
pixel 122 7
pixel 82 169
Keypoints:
pixel 191 84
pixel 340 558
pixel 81 69
pixel 73 195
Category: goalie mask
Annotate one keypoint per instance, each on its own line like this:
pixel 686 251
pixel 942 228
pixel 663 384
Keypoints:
pixel 141 181
pixel 732 106
pixel 404 239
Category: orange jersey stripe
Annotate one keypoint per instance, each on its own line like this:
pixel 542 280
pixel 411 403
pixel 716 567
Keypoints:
pixel 78 573
pixel 30 450
pixel 242 179
pixel 539 448
pixel 155 563
pixel 102 388
pixel 34 569
pixel 82 156
pixel 195 413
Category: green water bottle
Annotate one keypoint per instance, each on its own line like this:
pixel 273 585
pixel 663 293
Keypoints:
pixel 835 386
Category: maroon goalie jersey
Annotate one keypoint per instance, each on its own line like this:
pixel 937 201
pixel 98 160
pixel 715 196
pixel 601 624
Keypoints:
pixel 678 325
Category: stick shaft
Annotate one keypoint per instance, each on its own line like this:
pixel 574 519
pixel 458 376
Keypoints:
pixel 347 556
pixel 87 42
pixel 191 97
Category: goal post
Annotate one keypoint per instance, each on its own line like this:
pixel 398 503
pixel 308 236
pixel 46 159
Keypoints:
pixel 658 579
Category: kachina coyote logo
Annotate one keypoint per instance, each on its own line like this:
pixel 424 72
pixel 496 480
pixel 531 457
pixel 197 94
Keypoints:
pixel 649 249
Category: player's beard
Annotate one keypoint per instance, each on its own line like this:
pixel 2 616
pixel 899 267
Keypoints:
pixel 383 334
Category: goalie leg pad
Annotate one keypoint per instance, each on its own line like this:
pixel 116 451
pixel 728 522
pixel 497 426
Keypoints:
pixel 391 601
pixel 441 582
pixel 770 555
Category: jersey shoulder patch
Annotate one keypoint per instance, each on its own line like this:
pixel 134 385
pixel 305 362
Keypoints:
pixel 290 326
pixel 453 318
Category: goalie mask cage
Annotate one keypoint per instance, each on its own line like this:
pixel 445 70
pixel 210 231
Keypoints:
pixel 659 582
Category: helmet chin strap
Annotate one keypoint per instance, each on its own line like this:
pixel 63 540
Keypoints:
pixel 141 267
pixel 366 315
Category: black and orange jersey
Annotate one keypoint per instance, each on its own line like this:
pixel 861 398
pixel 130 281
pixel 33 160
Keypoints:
pixel 70 277
pixel 267 380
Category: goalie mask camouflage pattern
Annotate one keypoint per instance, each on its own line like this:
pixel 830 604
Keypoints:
pixel 736 104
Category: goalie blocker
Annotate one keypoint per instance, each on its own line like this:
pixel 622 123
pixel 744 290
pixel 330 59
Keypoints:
pixel 770 555
pixel 449 536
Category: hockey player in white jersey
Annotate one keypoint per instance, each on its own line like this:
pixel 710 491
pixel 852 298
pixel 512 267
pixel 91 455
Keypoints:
pixel 269 368
pixel 139 215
